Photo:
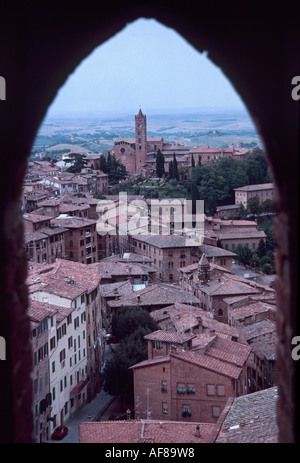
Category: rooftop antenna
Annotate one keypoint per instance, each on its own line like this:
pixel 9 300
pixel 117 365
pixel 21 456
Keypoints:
pixel 148 404
pixel 137 407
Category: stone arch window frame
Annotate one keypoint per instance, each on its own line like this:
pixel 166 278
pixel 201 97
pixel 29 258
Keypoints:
pixel 286 235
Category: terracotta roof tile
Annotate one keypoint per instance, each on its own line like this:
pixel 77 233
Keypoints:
pixel 252 418
pixel 149 431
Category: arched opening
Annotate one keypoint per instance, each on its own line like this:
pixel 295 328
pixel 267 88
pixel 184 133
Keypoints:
pixel 276 119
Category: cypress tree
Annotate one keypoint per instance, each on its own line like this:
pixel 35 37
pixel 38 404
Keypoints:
pixel 171 170
pixel 103 164
pixel 160 164
pixel 175 168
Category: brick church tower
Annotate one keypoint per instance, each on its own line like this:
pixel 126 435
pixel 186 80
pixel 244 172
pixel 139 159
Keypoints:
pixel 140 141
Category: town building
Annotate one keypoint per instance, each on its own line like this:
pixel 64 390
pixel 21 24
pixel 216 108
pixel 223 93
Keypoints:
pixel 212 284
pixel 75 288
pixel 168 252
pixel 81 239
pixel 184 318
pixel 247 419
pixel 231 233
pixel 45 245
pixel 262 191
pixel 42 318
pixel 225 211
pixel 155 297
pixel 138 154
pixel 179 382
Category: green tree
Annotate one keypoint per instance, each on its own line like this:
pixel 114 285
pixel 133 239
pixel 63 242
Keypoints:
pixel 253 206
pixel 175 168
pixel 254 260
pixel 160 164
pixel 267 206
pixel 267 268
pixel 115 169
pixel 118 377
pixel 128 318
pixel 79 163
pixel 103 167
pixel 193 161
pixel 261 248
pixel 257 167
pixel 130 324
pixel 171 173
pixel 244 254
pixel 241 211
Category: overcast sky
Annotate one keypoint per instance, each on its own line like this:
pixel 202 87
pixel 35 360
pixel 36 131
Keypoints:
pixel 146 65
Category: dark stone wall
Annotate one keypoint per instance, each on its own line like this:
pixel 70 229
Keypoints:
pixel 256 46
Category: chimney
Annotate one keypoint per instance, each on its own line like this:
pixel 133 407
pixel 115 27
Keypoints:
pixel 198 431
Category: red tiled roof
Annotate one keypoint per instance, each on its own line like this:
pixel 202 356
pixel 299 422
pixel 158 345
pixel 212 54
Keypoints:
pixel 156 295
pixel 65 278
pixel 209 363
pixel 261 186
pixel 142 431
pixel 169 336
pixel 252 418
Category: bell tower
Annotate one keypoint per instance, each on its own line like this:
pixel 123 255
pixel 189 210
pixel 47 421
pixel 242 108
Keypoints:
pixel 203 269
pixel 140 141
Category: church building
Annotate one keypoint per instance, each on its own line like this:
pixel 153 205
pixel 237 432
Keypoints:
pixel 132 152
pixel 138 154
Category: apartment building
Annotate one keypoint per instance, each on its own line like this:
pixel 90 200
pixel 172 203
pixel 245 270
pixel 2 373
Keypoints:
pixel 42 318
pixel 168 252
pixel 262 191
pixel 76 353
pixel 81 239
pixel 179 383
pixel 231 233
pixel 212 284
pixel 45 245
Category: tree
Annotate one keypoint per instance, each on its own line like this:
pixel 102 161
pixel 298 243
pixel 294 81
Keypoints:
pixel 160 164
pixel 193 161
pixel 115 169
pixel 175 168
pixel 79 163
pixel 130 324
pixel 244 254
pixel 257 167
pixel 253 206
pixel 241 211
pixel 267 206
pixel 171 169
pixel 128 318
pixel 261 248
pixel 103 167
pixel 267 268
pixel 118 377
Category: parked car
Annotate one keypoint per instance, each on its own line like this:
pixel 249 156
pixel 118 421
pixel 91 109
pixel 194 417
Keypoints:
pixel 60 432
